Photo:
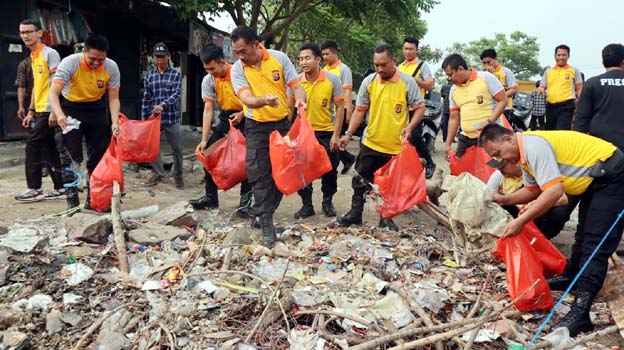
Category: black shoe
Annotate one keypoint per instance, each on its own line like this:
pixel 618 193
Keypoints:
pixel 268 230
pixel 430 170
pixel 73 200
pixel 388 223
pixel 560 282
pixel 347 165
pixel 328 208
pixel 305 212
pixel 204 203
pixel 354 216
pixel 577 320
pixel 179 183
pixel 244 207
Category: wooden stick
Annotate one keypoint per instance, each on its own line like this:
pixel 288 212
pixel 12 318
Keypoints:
pixel 266 308
pixel 118 233
pixel 172 342
pixel 415 308
pixel 94 326
pixel 436 213
pixel 353 318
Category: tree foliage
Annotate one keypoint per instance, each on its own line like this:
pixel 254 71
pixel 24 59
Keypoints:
pixel 356 25
pixel 517 52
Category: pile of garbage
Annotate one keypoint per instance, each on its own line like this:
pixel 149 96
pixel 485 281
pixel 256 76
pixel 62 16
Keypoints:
pixel 211 285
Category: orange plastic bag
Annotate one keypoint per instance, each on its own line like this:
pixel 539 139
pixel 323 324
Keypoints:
pixel 140 139
pixel 225 159
pixel 553 262
pixel 297 159
pixel 401 183
pixel 524 268
pixel 474 161
pixel 105 173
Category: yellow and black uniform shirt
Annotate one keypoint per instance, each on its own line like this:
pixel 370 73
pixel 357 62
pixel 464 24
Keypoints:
pixel 221 90
pixel 561 82
pixel 320 97
pixel 387 103
pixel 44 62
pixel 424 74
pixel 550 157
pixel 81 83
pixel 508 79
pixel 276 72
pixel 475 100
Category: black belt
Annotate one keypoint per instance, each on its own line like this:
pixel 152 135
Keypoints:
pixel 613 165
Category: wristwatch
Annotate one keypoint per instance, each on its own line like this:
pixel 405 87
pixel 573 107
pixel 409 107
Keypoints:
pixel 348 133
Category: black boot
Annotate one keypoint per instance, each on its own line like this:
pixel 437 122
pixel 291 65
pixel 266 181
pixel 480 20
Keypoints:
pixel 387 223
pixel 307 209
pixel 560 282
pixel 211 199
pixel 73 200
pixel 244 206
pixel 577 320
pixel 268 231
pixel 328 207
pixel 354 216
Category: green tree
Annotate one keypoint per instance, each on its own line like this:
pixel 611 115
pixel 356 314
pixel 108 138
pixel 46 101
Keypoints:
pixel 356 25
pixel 517 52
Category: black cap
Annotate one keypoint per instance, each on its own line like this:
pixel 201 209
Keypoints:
pixel 160 49
pixel 495 163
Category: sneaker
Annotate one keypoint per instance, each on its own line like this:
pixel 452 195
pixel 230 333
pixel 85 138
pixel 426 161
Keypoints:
pixel 153 180
pixel 179 183
pixel 55 194
pixel 30 195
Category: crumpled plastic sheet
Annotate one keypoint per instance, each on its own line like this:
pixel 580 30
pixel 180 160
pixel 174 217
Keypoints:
pixel 390 307
pixel 476 220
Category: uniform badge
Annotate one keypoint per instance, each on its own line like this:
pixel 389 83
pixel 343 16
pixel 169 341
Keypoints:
pixel 100 84
pixel 40 69
pixel 480 99
pixel 567 77
pixel 325 103
pixel 276 75
pixel 398 108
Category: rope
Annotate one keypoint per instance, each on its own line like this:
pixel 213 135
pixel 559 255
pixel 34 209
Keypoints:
pixel 578 275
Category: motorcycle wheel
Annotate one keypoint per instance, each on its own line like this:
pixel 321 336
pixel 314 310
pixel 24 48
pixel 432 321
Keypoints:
pixel 429 142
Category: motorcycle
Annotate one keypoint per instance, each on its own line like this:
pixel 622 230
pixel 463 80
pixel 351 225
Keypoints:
pixel 432 119
pixel 520 115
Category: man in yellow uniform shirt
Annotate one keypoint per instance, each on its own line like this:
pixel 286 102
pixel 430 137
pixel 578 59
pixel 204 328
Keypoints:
pixel 421 73
pixel 323 92
pixel 387 95
pixel 564 84
pixel 558 162
pixel 40 146
pixel 260 78
pixel 489 58
pixel 217 87
pixel 333 64
pixel 82 79
pixel 476 99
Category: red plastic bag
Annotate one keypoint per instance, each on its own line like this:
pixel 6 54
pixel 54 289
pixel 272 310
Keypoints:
pixel 105 173
pixel 225 159
pixel 297 159
pixel 474 161
pixel 551 258
pixel 524 268
pixel 139 139
pixel 401 183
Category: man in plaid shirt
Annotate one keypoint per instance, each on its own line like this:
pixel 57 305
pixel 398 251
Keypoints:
pixel 162 90
pixel 538 111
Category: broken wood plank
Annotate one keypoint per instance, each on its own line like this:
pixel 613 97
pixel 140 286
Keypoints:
pixel 435 213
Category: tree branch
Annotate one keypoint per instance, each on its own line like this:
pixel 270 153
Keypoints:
pixel 240 14
pixel 305 5
pixel 255 13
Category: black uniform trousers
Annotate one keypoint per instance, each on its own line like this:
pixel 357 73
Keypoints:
pixel 218 133
pixel 266 195
pixel 599 208
pixel 559 115
pixel 41 150
pixel 367 163
pixel 417 140
pixel 94 128
pixel 329 181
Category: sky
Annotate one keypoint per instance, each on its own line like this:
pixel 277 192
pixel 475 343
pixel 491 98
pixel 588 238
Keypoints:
pixel 585 26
